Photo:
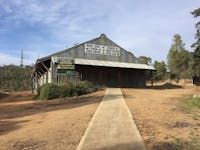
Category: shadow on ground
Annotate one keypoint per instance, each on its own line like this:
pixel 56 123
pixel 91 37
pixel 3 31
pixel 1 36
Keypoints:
pixel 3 95
pixel 165 86
pixel 12 108
pixel 20 110
pixel 7 126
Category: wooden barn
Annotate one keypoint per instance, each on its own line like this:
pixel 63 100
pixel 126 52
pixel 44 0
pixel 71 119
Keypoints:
pixel 99 60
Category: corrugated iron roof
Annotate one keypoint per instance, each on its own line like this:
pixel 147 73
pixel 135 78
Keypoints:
pixel 112 64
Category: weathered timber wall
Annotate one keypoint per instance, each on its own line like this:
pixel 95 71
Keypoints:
pixel 79 52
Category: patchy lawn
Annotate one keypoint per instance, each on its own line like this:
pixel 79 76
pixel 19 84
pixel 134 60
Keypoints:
pixel 56 124
pixel 162 118
pixel 191 106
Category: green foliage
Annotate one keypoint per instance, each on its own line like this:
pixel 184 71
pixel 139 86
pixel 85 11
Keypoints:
pixel 13 78
pixel 196 46
pixel 145 60
pixel 178 59
pixel 196 13
pixel 192 106
pixel 195 63
pixel 67 90
pixel 196 66
pixel 177 43
pixel 51 90
pixel 194 102
pixel 161 70
pixel 84 87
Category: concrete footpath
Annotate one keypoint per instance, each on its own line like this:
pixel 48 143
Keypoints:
pixel 112 127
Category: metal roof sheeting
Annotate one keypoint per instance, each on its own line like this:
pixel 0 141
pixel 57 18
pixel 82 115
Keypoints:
pixel 79 61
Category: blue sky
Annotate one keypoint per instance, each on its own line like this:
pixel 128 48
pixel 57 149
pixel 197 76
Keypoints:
pixel 42 27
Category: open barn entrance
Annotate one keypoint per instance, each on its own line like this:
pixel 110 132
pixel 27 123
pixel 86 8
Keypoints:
pixel 112 76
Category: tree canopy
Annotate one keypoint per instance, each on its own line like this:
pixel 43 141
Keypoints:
pixel 14 78
pixel 178 58
pixel 145 60
pixel 161 70
pixel 196 46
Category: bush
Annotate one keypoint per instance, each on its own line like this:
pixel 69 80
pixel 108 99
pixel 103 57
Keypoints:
pixel 85 87
pixel 52 90
pixel 66 90
pixel 81 88
pixel 15 78
pixel 49 91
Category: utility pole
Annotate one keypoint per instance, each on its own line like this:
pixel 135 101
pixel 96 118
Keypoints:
pixel 22 59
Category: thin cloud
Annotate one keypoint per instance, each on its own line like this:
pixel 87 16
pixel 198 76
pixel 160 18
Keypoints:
pixel 143 27
pixel 8 59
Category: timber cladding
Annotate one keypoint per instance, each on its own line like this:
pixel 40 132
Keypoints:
pixel 118 54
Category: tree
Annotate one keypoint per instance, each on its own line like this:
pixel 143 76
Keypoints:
pixel 178 59
pixel 196 46
pixel 161 70
pixel 14 78
pixel 145 60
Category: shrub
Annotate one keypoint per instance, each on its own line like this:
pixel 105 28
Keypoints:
pixel 85 87
pixel 81 88
pixel 49 91
pixel 52 90
pixel 66 90
pixel 15 78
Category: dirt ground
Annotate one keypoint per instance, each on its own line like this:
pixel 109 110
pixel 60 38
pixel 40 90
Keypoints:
pixel 53 125
pixel 60 124
pixel 160 119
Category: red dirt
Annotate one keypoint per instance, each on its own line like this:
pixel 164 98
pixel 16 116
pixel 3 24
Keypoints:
pixel 56 124
pixel 159 117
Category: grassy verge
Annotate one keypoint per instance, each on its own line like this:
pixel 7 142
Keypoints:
pixel 178 144
pixel 191 106
pixel 193 143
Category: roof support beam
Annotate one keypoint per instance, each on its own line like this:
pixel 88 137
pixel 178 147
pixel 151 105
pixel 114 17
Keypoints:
pixel 44 66
pixel 151 78
pixel 42 70
pixel 39 73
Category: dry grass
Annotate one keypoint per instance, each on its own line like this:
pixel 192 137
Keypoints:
pixel 57 124
pixel 160 119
